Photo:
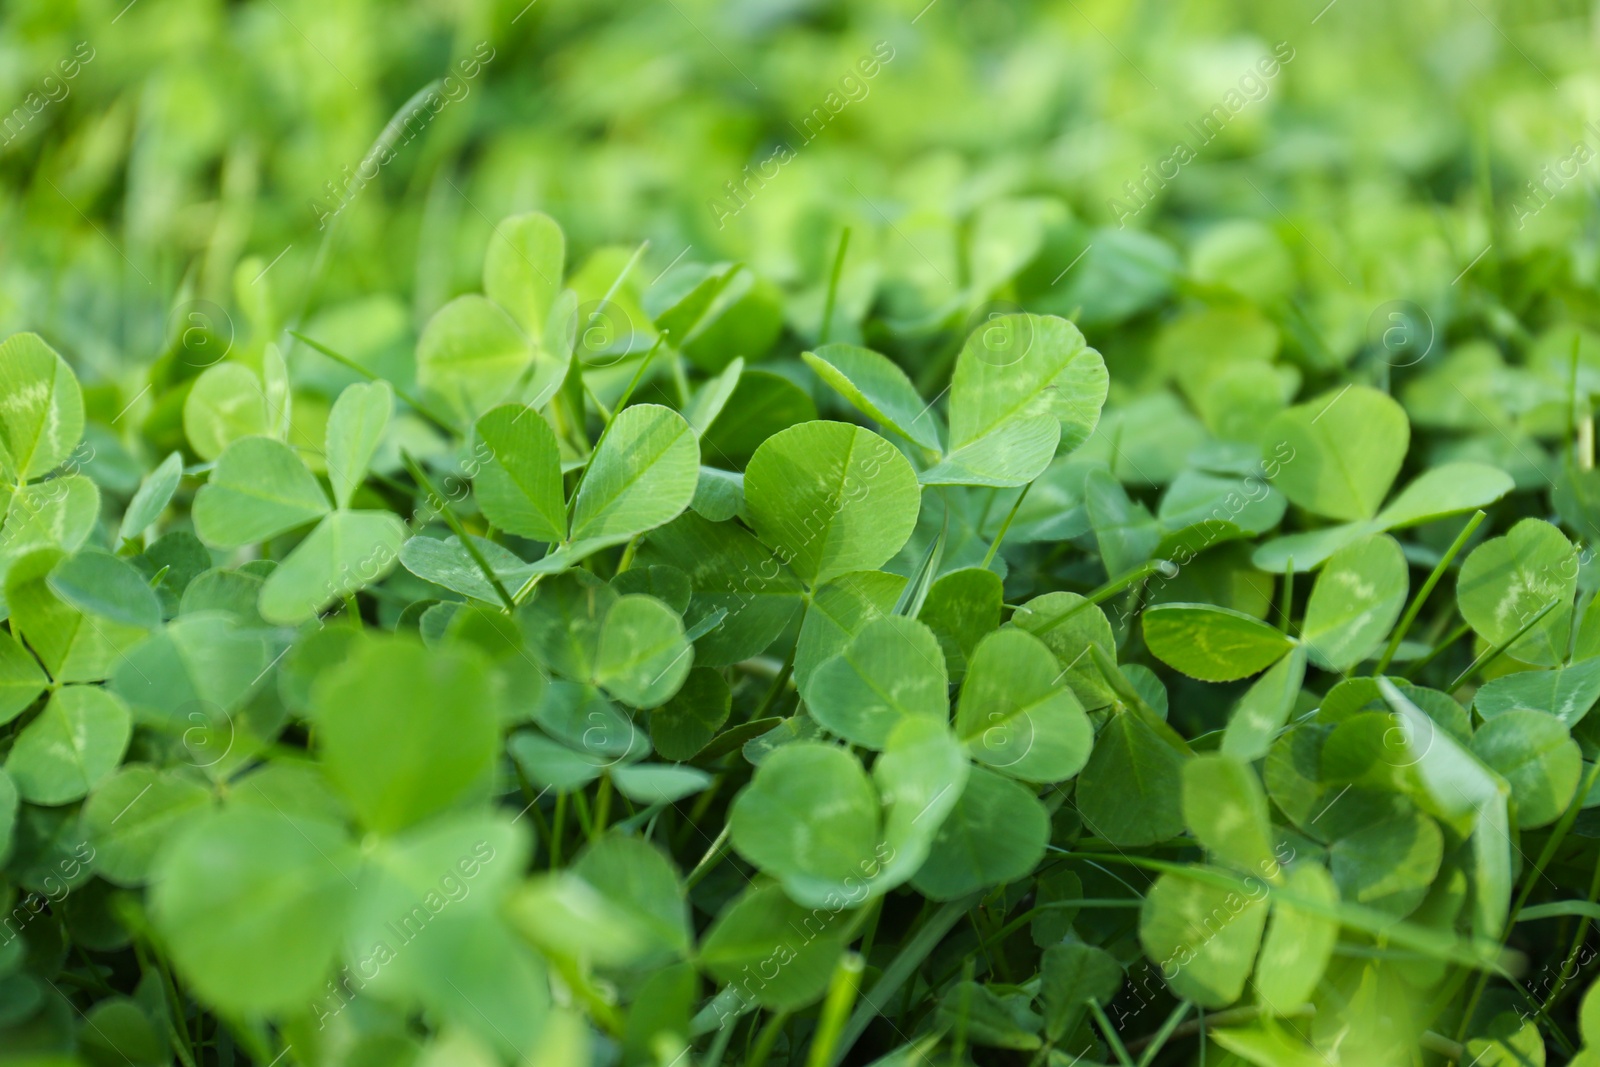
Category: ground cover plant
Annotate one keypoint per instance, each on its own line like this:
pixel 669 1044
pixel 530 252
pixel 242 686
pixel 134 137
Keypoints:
pixel 949 535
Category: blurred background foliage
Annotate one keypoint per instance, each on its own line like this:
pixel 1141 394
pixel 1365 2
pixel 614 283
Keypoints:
pixel 193 150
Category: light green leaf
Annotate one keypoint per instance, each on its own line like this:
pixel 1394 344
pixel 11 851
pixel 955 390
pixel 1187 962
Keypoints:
pixel 641 657
pixel 1017 716
pixel 1308 550
pixel 890 671
pixel 132 814
pixel 348 551
pixel 1388 865
pixel 258 490
pixel 522 268
pixel 1356 600
pixel 1203 937
pixel 21 678
pixel 471 354
pixel 1299 943
pixel 73 744
pixel 659 783
pixel 1210 643
pixel 1068 627
pixel 59 513
pixel 251 906
pixel 811 848
pixel 1070 975
pixel 713 397
pixel 1129 792
pixel 1448 489
pixel 41 408
pixel 355 426
pixel 1347 446
pixel 920 775
pixel 877 387
pixel 152 497
pixel 1565 692
pixel 996 833
pixel 73 646
pixel 1265 708
pixel 764 932
pixel 1533 752
pixel 434 741
pixel 831 498
pixel 196 671
pixel 1023 385
pixel 962 607
pixel 1507 581
pixel 641 476
pixel 1226 810
pixel 518 481
pixel 225 405
pixel 98 583
pixel 838 611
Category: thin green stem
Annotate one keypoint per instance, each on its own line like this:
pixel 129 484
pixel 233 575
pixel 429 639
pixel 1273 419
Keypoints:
pixel 1415 607
pixel 1164 1034
pixel 905 963
pixel 415 404
pixel 1287 605
pixel 1109 590
pixel 602 808
pixel 1437 650
pixel 708 862
pixel 842 989
pixel 1004 526
pixel 833 287
pixel 1113 1039
pixel 459 530
pixel 1490 655
pixel 558 828
pixel 769 1038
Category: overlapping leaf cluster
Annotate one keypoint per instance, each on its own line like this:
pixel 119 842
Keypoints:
pixel 926 621
pixel 560 702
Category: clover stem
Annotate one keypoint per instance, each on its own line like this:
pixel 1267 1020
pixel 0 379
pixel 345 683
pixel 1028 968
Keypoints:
pixel 1490 655
pixel 345 361
pixel 842 990
pixel 1287 605
pixel 1427 587
pixel 1438 650
pixel 1163 1035
pixel 459 530
pixel 709 860
pixel 602 808
pixel 558 829
pixel 906 961
pixel 833 287
pixel 768 1039
pixel 1004 526
pixel 1113 1039
pixel 1166 568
